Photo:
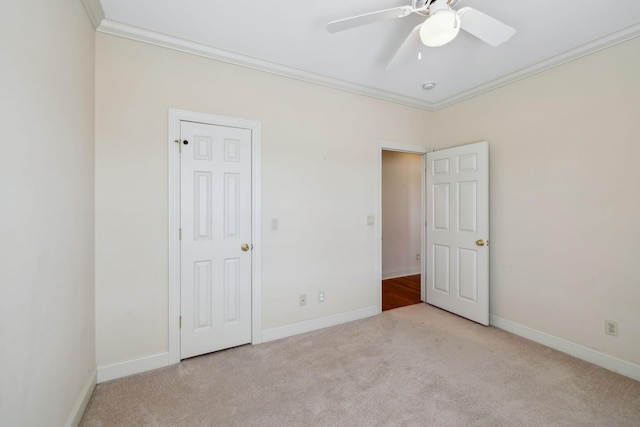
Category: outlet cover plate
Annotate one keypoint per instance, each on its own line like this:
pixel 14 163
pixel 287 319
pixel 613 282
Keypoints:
pixel 611 328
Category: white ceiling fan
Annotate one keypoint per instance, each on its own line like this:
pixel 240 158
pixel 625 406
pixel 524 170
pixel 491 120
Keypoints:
pixel 442 23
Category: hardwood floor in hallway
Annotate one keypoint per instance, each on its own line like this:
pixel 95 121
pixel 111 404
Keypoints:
pixel 400 292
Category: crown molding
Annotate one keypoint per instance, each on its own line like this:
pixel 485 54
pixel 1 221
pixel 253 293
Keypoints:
pixel 107 26
pixel 555 61
pixel 151 37
pixel 95 12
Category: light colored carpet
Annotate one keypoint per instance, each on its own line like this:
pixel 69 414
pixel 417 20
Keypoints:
pixel 413 366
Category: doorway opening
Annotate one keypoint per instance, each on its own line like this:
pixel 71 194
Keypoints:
pixel 401 225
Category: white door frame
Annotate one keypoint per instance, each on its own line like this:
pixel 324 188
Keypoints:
pixel 413 149
pixel 175 117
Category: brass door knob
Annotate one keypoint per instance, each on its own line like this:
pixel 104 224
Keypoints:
pixel 480 242
pixel 244 247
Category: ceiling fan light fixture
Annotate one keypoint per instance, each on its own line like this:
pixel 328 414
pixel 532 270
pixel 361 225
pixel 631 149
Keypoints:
pixel 440 28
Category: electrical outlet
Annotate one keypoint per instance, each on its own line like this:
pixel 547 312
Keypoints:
pixel 303 300
pixel 321 296
pixel 611 328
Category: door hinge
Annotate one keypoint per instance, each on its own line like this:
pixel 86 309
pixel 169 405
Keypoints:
pixel 180 234
pixel 180 322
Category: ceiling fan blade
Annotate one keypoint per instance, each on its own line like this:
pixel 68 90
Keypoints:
pixel 368 18
pixel 408 45
pixel 484 27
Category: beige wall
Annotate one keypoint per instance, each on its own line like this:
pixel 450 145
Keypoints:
pixel 47 348
pixel 401 213
pixel 319 178
pixel 564 147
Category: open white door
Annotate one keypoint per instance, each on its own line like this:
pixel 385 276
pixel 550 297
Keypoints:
pixel 458 230
pixel 215 271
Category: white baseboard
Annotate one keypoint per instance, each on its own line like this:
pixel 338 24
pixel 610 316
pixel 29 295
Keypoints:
pixel 315 324
pixel 590 355
pixel 83 400
pixel 132 366
pixel 401 273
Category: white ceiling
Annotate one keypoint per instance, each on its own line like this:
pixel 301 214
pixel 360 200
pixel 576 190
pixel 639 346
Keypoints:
pixel 289 38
